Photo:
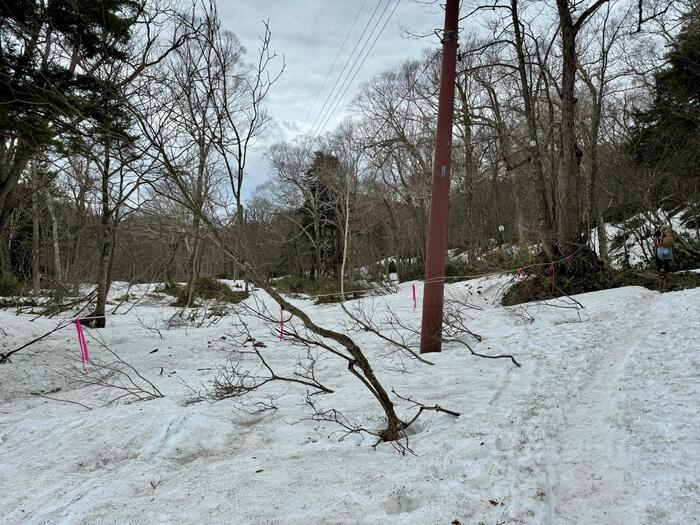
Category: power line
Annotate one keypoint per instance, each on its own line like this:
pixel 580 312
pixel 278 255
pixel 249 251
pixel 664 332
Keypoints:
pixel 402 98
pixel 408 92
pixel 328 74
pixel 345 84
pixel 349 84
pixel 376 8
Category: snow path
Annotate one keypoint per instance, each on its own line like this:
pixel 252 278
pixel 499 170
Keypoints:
pixel 574 445
pixel 599 426
pixel 588 466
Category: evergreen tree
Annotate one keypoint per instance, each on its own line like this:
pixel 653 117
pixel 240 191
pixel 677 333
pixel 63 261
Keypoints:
pixel 319 215
pixel 49 51
pixel 667 136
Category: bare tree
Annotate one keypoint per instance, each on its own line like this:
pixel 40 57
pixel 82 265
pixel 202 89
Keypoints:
pixel 239 100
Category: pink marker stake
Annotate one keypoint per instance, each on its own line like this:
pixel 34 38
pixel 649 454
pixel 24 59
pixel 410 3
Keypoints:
pixel 414 297
pixel 281 322
pixel 84 356
pixel 80 341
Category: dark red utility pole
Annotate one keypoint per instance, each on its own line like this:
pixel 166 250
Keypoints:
pixel 436 250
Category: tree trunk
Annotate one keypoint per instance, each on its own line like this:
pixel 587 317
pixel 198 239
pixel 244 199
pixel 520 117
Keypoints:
pixel 170 267
pixel 75 244
pixel 602 239
pixel 533 149
pixel 83 182
pixel 36 245
pixel 569 214
pixel 317 250
pixel 239 205
pixel 58 275
pixel 199 194
pixel 521 220
pixel 103 283
pixel 11 167
pixel 192 261
pixel 5 263
pixel 112 251
pixel 469 233
pixel 106 247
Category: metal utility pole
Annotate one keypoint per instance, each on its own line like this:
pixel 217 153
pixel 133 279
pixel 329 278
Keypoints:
pixel 436 250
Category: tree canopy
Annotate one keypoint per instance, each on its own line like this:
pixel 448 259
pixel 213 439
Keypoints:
pixel 668 133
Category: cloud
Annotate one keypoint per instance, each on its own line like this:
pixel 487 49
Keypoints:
pixel 309 33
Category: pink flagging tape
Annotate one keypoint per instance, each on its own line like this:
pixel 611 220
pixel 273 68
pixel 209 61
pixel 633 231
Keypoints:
pixel 84 356
pixel 80 341
pixel 414 297
pixel 281 322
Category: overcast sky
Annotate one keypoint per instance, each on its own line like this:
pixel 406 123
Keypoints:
pixel 309 34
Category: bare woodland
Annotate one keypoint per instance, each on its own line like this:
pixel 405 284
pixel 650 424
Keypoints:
pixel 142 176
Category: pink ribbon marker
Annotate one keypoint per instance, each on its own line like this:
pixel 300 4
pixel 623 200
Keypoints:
pixel 84 356
pixel 414 297
pixel 281 322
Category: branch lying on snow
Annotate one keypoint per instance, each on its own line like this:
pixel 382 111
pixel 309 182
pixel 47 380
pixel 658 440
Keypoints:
pixel 351 428
pixel 5 358
pixel 115 375
pixel 235 380
pixel 454 319
pixel 454 326
pixel 477 354
pixel 61 400
pixel 421 407
pixel 357 363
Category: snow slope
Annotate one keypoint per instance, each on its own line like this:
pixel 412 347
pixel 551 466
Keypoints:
pixel 598 426
pixel 638 246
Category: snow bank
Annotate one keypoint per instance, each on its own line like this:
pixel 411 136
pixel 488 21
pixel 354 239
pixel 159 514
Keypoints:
pixel 638 246
pixel 598 426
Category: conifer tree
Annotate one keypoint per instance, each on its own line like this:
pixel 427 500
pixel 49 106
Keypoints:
pixel 49 51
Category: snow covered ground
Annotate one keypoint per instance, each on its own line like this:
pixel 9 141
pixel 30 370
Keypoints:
pixel 599 426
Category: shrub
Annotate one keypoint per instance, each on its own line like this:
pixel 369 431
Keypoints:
pixel 460 270
pixel 168 289
pixel 58 291
pixel 9 286
pixel 414 272
pixel 686 253
pixel 326 288
pixel 539 287
pixel 203 288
